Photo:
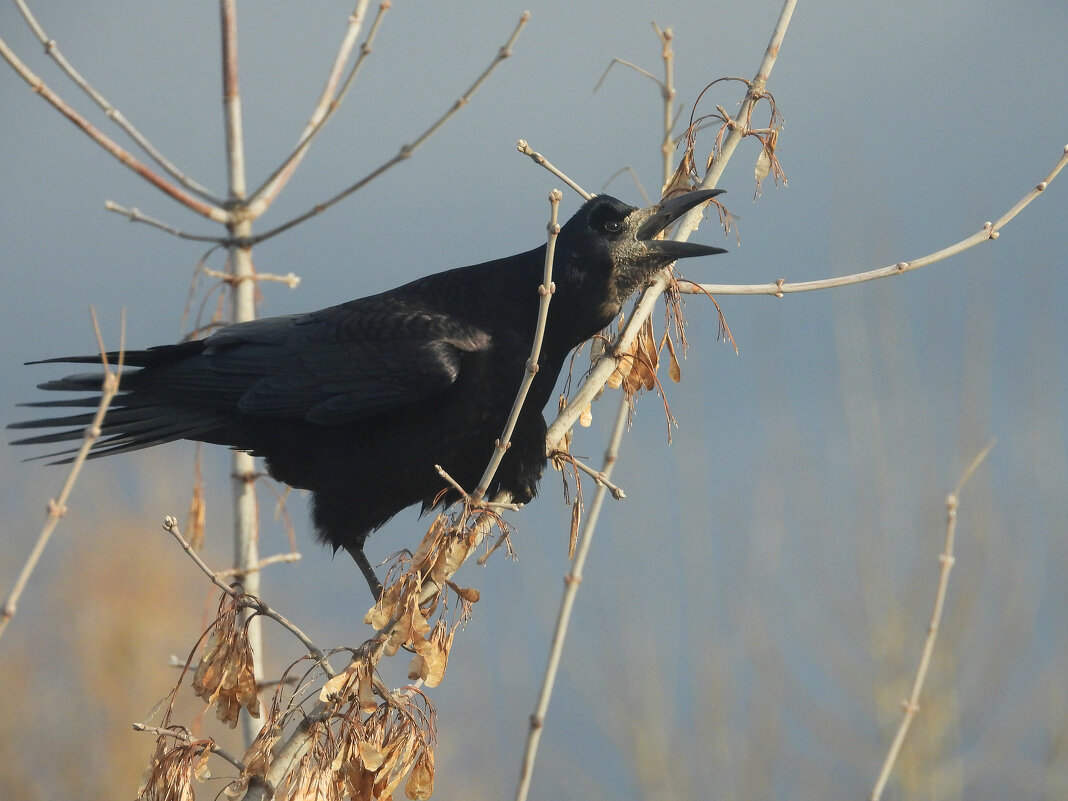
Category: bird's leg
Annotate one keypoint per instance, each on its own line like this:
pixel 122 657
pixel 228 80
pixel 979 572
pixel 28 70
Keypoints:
pixel 356 551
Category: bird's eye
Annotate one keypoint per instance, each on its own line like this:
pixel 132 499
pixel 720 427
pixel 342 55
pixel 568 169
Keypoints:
pixel 613 226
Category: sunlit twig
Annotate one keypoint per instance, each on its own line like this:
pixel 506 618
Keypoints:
pixel 406 150
pixel 540 160
pixel 946 559
pixel 112 113
pixel 57 507
pixel 989 231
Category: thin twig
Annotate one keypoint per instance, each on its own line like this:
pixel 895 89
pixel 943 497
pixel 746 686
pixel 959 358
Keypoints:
pixel 57 507
pixel 257 604
pixel 667 91
pixel 278 558
pixel 539 159
pixel 912 704
pixel 625 63
pixel 598 476
pixel 292 280
pixel 184 737
pixel 209 210
pixel 135 215
pixel 170 525
pixel 452 482
pixel 634 177
pixel 112 113
pixel 330 100
pixel 989 231
pixel 406 150
pixel 545 293
pixel 571 586
pixel 601 371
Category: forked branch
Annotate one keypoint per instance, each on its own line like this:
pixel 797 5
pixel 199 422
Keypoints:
pixel 406 150
pixel 329 101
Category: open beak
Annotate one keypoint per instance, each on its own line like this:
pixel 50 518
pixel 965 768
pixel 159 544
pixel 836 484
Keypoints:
pixel 664 214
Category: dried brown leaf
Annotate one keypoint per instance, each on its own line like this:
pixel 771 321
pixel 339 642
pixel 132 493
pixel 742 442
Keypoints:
pixel 420 784
pixel 354 683
pixel 332 689
pixel 316 784
pixel 226 674
pixel 379 615
pixel 647 341
pixel 680 180
pixel 763 168
pixel 173 769
pixel 430 542
pixel 586 417
pixel 456 552
pixel 767 162
pixel 397 764
pixel 257 759
pixel 371 757
pixel 469 594
pixel 674 371
pixel 623 367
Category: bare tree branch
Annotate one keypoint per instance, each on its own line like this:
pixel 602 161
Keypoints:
pixel 286 755
pixel 667 91
pixel 182 736
pixel 545 293
pixel 539 159
pixel 242 309
pixel 112 113
pixel 291 280
pixel 406 150
pixel 57 507
pixel 135 215
pixel 254 602
pixel 912 704
pixel 328 103
pixel 989 231
pixel 571 586
pixel 598 476
pixel 211 211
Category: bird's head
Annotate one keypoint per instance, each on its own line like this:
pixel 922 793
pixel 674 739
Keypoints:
pixel 608 248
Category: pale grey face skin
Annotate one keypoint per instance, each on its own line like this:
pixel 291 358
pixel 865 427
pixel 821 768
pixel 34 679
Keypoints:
pixel 637 257
pixel 636 260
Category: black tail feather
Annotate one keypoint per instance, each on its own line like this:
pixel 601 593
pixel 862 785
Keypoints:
pixel 141 415
pixel 134 358
pixel 55 404
pixel 123 440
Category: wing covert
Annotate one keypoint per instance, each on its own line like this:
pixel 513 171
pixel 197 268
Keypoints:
pixel 341 364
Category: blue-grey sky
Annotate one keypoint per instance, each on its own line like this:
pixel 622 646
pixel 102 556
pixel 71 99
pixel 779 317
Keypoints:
pixel 733 633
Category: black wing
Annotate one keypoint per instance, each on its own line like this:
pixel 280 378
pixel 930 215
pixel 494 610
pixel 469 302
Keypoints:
pixel 338 365
pixel 330 367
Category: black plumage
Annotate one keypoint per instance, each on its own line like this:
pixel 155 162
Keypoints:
pixel 358 402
